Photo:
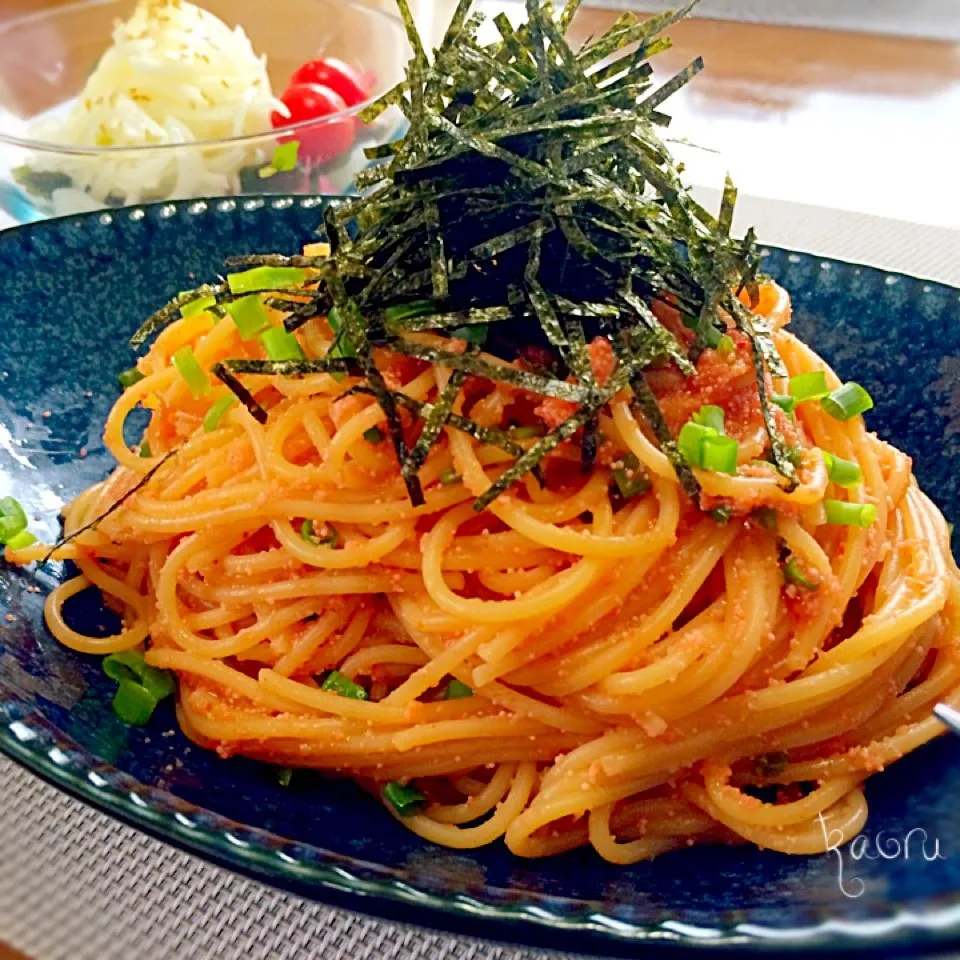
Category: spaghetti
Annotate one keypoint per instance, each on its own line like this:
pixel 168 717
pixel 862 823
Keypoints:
pixel 531 515
pixel 642 675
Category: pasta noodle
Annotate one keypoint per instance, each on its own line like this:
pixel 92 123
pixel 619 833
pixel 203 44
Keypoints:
pixel 643 677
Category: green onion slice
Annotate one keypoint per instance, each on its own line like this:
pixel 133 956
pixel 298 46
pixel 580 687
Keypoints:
pixel 13 520
pixel 127 378
pixel 189 368
pixel 249 316
pixel 145 449
pixel 197 306
pixel 266 278
pixel 457 690
pixel 793 573
pixel 133 703
pixel 373 435
pixel 525 433
pixel 281 345
pixel 725 345
pixel 690 442
pixel 719 454
pixel 216 412
pixel 849 514
pixel 475 333
pixel 285 156
pixel 405 799
pixel 129 665
pixel 847 401
pixel 337 683
pixel 710 416
pixel 784 401
pixel 844 473
pixel 330 539
pixel 21 540
pixel 811 385
pixel 450 477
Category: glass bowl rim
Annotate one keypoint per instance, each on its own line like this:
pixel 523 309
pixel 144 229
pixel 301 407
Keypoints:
pixel 49 146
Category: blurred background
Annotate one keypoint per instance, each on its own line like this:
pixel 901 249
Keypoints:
pixel 852 105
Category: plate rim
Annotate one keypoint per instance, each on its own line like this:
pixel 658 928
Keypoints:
pixel 34 743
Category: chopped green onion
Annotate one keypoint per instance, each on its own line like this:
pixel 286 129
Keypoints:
pixel 249 316
pixel 284 776
pixel 473 333
pixel 406 800
pixel 281 345
pixel 719 454
pixel 849 514
pixel 725 346
pixel 333 318
pixel 847 401
pixel 20 540
pixel 407 311
pixel 766 517
pixel 13 520
pixel 793 573
pixel 450 477
pixel 844 473
pixel 129 666
pixel 373 435
pixel 191 371
pixel 197 306
pixel 285 156
pixel 811 385
pixel 631 479
pixel 133 703
pixel 710 416
pixel 127 378
pixel 158 683
pixel 216 412
pixel 690 442
pixel 525 433
pixel 266 278
pixel 337 683
pixel 784 401
pixel 145 449
pixel 722 514
pixel 771 764
pixel 457 690
pixel 331 539
pixel 125 665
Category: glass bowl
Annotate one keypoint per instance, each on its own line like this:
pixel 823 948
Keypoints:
pixel 45 59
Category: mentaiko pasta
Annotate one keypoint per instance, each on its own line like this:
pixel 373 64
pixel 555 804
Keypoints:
pixel 517 502
pixel 636 669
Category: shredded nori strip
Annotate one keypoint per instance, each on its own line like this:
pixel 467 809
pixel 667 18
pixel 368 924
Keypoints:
pixel 136 488
pixel 530 203
pixel 221 372
pixel 432 425
pixel 171 311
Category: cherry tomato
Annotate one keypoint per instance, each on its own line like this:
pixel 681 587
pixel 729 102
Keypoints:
pixel 308 101
pixel 338 76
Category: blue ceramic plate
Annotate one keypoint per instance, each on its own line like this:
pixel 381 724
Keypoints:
pixel 73 291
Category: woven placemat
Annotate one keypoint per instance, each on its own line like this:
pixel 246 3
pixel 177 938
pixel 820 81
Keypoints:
pixel 78 885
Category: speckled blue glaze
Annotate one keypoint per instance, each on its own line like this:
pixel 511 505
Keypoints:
pixel 73 291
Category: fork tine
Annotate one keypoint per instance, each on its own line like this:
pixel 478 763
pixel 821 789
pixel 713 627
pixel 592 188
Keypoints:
pixel 948 715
